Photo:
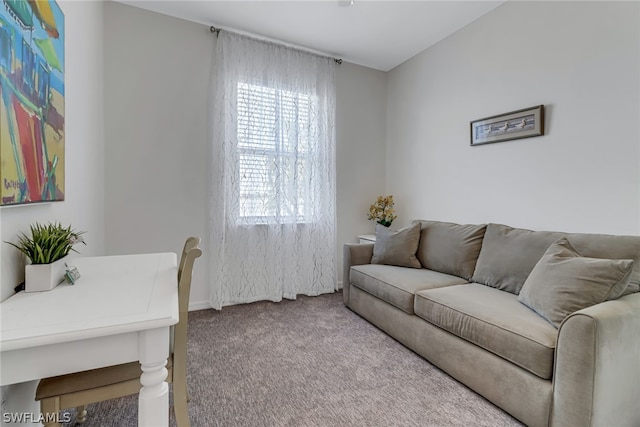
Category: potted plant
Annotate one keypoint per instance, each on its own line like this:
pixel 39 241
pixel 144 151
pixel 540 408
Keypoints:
pixel 46 248
pixel 382 211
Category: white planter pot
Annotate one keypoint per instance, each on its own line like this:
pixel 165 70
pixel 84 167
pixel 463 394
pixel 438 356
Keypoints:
pixel 44 277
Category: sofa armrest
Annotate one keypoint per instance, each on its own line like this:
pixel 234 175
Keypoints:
pixel 597 366
pixel 353 254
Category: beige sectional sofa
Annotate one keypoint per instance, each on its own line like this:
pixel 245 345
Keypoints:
pixel 467 310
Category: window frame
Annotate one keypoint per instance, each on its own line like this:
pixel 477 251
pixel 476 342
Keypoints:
pixel 278 152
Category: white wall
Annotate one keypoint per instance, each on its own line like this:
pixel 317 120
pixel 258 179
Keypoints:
pixel 581 60
pixel 84 204
pixel 83 207
pixel 360 150
pixel 156 84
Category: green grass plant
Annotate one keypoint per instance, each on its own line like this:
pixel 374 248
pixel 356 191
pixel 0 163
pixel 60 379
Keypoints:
pixel 47 243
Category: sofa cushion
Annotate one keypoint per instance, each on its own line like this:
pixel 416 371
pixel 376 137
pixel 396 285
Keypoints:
pixel 493 320
pixel 509 254
pixel 563 282
pixel 611 247
pixel 397 285
pixel 450 248
pixel 397 247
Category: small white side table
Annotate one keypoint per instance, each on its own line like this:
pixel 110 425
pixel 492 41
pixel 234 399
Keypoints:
pixel 367 238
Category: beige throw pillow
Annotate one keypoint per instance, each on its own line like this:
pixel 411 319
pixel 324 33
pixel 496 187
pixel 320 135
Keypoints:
pixel 397 247
pixel 563 282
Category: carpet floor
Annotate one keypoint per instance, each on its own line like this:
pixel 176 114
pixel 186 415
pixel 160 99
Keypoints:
pixel 308 362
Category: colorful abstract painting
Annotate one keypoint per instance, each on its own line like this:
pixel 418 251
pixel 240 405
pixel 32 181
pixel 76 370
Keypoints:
pixel 31 102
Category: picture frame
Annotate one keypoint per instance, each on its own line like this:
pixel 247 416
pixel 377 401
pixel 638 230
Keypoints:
pixel 518 124
pixel 32 105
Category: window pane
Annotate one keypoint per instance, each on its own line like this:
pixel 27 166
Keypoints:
pixel 274 130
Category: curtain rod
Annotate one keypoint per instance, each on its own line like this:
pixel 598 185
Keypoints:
pixel 217 31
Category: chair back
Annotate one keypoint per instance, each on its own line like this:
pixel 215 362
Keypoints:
pixel 192 242
pixel 185 271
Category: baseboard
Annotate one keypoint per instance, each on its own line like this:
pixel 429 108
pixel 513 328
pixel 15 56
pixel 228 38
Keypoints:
pixel 199 305
pixel 203 305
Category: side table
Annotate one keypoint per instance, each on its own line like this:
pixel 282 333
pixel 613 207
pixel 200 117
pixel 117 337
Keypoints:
pixel 367 238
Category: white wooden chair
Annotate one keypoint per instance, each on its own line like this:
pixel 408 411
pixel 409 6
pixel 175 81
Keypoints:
pixel 97 385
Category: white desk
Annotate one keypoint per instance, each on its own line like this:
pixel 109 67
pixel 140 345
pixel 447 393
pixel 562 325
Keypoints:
pixel 119 311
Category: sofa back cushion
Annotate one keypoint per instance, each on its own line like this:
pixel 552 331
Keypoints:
pixel 450 248
pixel 509 254
pixel 607 246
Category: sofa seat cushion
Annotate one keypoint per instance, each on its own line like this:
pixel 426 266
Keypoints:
pixel 397 285
pixel 493 320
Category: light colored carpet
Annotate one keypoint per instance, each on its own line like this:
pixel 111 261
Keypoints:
pixel 309 362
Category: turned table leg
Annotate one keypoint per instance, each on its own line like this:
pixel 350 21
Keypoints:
pixel 153 400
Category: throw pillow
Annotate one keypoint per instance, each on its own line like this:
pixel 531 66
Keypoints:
pixel 397 247
pixel 611 247
pixel 563 282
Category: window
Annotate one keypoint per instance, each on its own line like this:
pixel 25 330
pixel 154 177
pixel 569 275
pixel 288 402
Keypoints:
pixel 273 177
pixel 274 154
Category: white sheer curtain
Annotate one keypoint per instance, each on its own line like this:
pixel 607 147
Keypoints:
pixel 272 214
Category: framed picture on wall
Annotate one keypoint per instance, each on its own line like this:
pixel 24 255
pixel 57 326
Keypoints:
pixel 32 98
pixel 518 124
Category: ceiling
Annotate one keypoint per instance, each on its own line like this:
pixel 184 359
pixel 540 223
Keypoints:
pixel 373 33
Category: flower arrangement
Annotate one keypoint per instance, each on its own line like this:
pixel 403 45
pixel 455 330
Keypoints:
pixel 48 243
pixel 382 211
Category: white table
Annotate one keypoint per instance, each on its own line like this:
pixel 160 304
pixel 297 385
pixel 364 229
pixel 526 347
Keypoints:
pixel 119 311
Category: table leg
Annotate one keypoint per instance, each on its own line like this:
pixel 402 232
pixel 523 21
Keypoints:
pixel 153 400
